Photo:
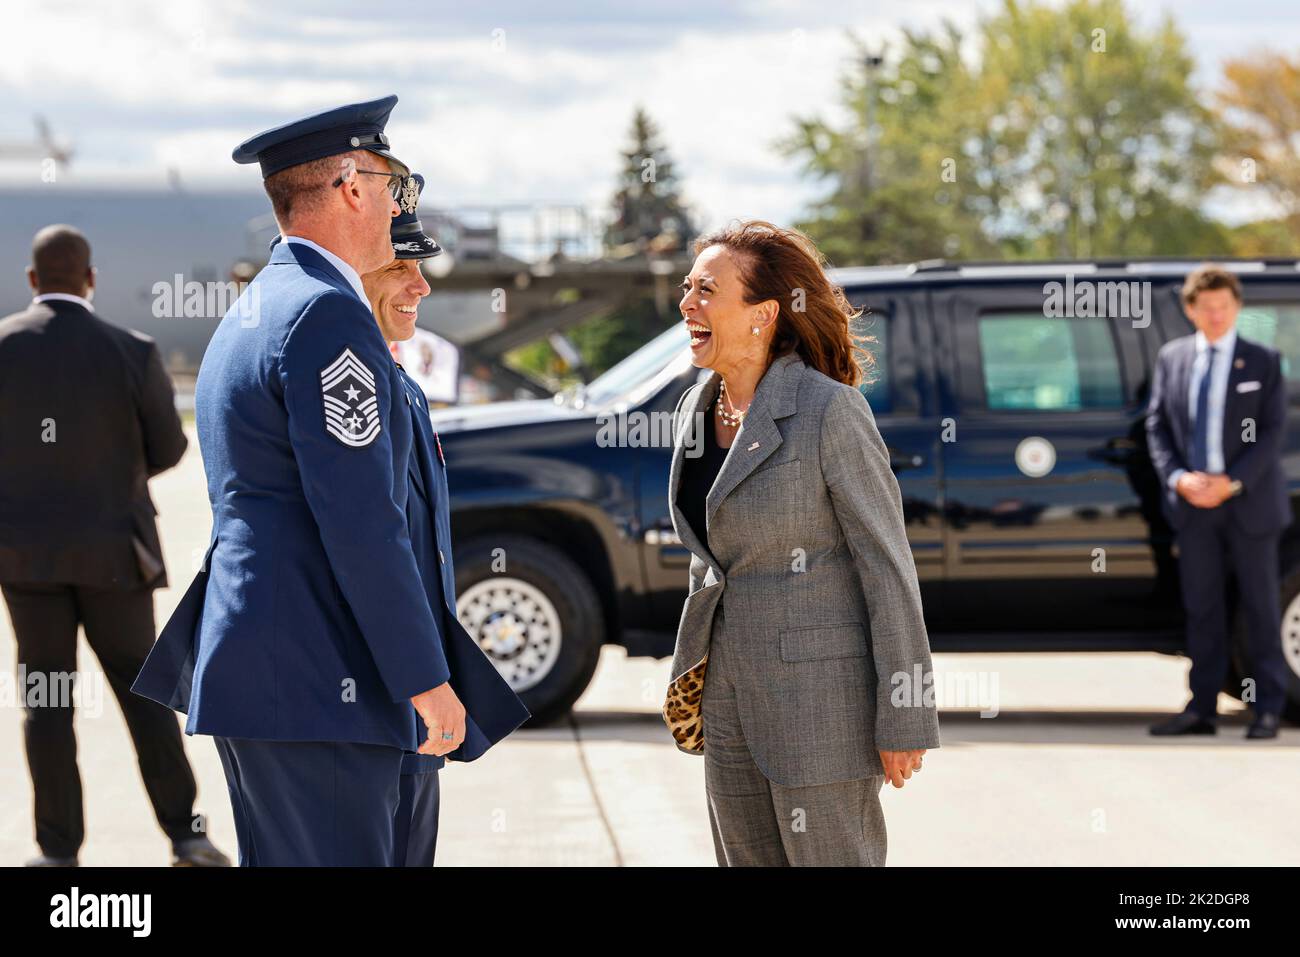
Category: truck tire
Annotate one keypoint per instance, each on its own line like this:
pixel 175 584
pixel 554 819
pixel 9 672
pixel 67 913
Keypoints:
pixel 536 616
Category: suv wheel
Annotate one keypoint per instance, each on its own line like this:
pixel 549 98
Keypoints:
pixel 536 617
pixel 1291 641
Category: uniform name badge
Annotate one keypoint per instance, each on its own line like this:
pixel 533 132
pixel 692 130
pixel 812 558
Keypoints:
pixel 351 406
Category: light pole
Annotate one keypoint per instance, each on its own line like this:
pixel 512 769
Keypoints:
pixel 871 63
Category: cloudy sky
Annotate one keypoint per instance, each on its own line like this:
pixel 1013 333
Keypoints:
pixel 507 102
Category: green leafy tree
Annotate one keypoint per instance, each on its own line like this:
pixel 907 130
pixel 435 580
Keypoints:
pixel 1096 142
pixel 1260 97
pixel 1265 237
pixel 607 340
pixel 888 198
pixel 1071 132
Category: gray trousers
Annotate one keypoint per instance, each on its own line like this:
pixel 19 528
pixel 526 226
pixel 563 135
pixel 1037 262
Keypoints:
pixel 759 823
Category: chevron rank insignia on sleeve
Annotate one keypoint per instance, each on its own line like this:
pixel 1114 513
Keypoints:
pixel 351 407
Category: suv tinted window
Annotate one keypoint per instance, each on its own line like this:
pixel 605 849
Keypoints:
pixel 1276 325
pixel 877 391
pixel 1031 361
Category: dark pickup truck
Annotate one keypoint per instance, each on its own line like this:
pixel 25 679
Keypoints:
pixel 1012 399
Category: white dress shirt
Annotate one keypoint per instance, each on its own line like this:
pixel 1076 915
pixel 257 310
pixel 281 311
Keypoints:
pixel 344 269
pixel 1223 350
pixel 64 297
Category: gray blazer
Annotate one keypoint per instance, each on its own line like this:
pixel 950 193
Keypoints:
pixel 810 558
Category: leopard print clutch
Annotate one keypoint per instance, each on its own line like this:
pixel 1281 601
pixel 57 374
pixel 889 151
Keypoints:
pixel 682 711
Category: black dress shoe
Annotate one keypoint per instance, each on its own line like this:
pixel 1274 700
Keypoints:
pixel 1264 726
pixel 1188 722
pixel 197 852
pixel 45 860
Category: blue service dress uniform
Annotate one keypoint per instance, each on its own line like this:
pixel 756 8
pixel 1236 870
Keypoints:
pixel 492 709
pixel 428 514
pixel 301 641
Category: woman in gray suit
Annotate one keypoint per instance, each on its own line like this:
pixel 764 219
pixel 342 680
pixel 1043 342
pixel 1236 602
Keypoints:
pixel 802 670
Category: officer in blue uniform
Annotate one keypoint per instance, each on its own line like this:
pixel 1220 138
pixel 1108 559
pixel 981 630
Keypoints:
pixel 307 644
pixel 395 292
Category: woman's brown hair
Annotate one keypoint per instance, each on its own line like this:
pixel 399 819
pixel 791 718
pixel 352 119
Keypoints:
pixel 815 317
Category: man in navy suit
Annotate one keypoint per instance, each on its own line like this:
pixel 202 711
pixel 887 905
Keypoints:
pixel 307 645
pixel 395 292
pixel 1215 425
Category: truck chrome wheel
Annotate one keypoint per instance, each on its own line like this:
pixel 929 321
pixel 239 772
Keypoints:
pixel 516 626
pixel 1291 634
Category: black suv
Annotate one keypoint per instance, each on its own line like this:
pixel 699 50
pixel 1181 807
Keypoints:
pixel 1012 399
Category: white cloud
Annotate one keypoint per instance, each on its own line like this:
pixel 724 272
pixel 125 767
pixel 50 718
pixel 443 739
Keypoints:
pixel 513 118
pixel 176 84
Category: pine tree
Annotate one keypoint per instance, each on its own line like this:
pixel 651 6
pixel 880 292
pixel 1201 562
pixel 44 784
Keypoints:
pixel 649 215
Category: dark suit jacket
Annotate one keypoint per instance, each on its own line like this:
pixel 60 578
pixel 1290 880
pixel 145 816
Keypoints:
pixel 1263 505
pixel 87 415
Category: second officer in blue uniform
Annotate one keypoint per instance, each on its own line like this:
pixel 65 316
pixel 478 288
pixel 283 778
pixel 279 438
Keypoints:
pixel 395 292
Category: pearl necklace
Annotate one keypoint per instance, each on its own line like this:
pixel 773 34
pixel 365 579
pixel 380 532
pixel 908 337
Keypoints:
pixel 734 417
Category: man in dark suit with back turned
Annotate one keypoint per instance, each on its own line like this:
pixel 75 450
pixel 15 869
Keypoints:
pixel 87 416
pixel 492 709
pixel 1215 425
